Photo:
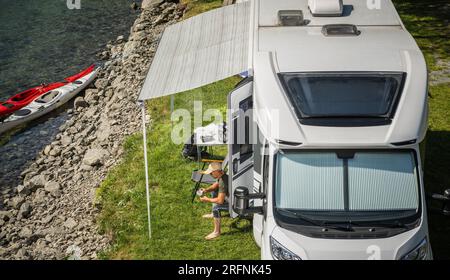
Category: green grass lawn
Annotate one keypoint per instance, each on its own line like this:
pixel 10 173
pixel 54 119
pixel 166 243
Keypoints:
pixel 178 228
pixel 196 7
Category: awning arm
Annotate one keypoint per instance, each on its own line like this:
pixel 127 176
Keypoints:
pixel 144 136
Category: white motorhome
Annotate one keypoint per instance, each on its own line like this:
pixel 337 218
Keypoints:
pixel 337 95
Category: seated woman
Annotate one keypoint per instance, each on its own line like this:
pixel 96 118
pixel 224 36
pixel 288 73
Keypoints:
pixel 219 192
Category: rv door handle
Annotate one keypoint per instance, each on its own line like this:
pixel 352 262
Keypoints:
pixel 235 165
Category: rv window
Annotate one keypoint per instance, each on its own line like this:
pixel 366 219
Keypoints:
pixel 381 181
pixel 246 149
pixel 257 155
pixel 343 95
pixel 266 172
pixel 235 145
pixel 312 181
pixel 384 184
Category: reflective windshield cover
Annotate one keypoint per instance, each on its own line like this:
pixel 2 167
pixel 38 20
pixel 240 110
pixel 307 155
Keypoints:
pixel 343 95
pixel 363 185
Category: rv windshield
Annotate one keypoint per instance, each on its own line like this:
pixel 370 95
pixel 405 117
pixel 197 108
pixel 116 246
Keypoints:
pixel 352 95
pixel 347 185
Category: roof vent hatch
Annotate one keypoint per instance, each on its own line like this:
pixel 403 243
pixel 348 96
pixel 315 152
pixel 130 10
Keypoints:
pixel 291 18
pixel 340 30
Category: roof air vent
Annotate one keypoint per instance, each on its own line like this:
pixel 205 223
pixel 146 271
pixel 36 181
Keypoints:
pixel 291 18
pixel 340 30
pixel 326 8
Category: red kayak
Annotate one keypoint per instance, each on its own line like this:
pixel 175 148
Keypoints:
pixel 24 98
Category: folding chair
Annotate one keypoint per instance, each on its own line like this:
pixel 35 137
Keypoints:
pixel 200 178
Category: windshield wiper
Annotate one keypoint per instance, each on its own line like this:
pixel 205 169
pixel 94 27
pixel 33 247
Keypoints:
pixel 395 224
pixel 345 117
pixel 325 225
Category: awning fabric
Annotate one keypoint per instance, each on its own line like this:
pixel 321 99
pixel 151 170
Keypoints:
pixel 200 50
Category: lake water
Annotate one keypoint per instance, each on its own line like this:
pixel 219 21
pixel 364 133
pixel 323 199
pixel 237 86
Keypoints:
pixel 45 41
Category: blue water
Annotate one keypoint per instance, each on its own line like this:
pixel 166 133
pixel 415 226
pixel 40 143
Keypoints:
pixel 45 41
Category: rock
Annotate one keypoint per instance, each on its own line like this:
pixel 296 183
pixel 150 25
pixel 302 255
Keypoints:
pixel 139 27
pixel 53 188
pixel 80 103
pixel 120 39
pixel 70 223
pixel 169 10
pixel 17 201
pixel 47 149
pixel 91 113
pixel 36 182
pixel 146 4
pixel 21 254
pixel 25 210
pixel 103 131
pixel 5 215
pixel 138 36
pixel 101 83
pixel 104 55
pixel 77 177
pixel 56 230
pixel 94 157
pixel 47 219
pixel 86 132
pixel 160 19
pixel 118 82
pixel 85 167
pixel 22 190
pixel 73 252
pixel 91 95
pixel 56 151
pixel 25 232
pixel 134 6
pixel 129 48
pixel 39 196
pixel 66 140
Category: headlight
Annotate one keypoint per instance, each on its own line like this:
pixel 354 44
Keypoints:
pixel 419 253
pixel 281 253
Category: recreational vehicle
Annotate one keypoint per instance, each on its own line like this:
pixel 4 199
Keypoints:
pixel 325 132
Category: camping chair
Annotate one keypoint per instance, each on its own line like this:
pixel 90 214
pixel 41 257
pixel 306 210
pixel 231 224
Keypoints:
pixel 200 178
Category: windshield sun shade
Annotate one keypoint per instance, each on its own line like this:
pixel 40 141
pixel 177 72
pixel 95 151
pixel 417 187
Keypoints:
pixel 369 181
pixel 349 95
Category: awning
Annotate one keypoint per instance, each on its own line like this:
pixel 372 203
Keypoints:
pixel 200 50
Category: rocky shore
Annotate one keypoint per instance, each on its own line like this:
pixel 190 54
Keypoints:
pixel 51 213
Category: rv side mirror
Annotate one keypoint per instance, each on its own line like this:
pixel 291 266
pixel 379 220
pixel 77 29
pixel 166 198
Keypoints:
pixel 242 202
pixel 445 200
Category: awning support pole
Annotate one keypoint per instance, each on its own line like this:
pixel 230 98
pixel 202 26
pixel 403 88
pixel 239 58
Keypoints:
pixel 144 135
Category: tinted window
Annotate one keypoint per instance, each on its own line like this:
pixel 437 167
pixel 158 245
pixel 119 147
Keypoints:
pixel 343 94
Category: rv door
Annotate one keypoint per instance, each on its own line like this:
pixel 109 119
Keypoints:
pixel 240 140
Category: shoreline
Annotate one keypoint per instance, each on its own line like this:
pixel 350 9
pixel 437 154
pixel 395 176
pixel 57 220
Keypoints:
pixel 51 214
